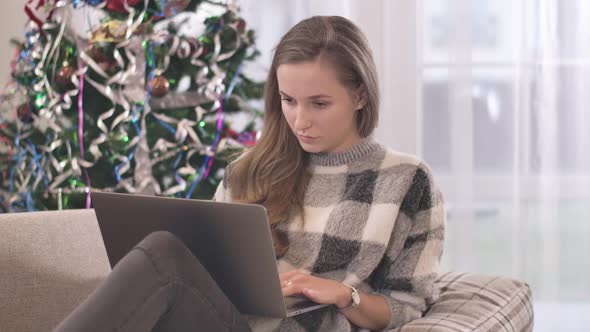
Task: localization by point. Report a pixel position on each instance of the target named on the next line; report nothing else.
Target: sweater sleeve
(405, 276)
(222, 193)
(219, 195)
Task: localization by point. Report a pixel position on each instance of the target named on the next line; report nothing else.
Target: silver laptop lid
(232, 241)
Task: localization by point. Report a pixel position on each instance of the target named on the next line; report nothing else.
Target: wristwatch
(356, 297)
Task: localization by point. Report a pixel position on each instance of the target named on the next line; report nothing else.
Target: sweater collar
(365, 146)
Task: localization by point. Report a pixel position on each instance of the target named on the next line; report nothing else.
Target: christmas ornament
(112, 31)
(248, 138)
(117, 5)
(241, 25)
(184, 49)
(24, 112)
(205, 51)
(188, 47)
(105, 62)
(63, 80)
(159, 86)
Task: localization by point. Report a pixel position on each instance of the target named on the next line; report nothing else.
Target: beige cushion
(49, 262)
(470, 302)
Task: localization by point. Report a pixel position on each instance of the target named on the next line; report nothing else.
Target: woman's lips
(307, 139)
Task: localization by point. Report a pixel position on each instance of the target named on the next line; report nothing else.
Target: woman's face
(319, 109)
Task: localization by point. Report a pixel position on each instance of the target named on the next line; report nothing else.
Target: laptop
(232, 241)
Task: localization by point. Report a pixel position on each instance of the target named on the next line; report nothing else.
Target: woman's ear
(361, 98)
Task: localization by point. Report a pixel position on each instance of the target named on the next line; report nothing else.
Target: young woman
(355, 225)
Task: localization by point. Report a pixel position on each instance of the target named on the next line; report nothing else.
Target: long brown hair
(274, 172)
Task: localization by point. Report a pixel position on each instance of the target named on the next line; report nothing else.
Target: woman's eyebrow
(320, 96)
(284, 94)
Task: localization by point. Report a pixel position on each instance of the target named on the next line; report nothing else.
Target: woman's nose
(302, 119)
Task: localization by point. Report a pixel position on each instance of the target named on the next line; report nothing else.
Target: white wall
(13, 20)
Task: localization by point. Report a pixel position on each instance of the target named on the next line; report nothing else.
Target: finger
(311, 294)
(286, 283)
(288, 275)
(294, 281)
(291, 290)
(295, 285)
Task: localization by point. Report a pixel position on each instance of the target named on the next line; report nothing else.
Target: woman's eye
(320, 104)
(287, 100)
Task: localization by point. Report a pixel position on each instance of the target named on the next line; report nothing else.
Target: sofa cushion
(49, 262)
(470, 302)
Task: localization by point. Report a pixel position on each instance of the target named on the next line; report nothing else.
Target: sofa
(51, 260)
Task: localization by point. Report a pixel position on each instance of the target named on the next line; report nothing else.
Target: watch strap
(355, 297)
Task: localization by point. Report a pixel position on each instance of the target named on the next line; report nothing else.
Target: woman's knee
(167, 252)
(160, 240)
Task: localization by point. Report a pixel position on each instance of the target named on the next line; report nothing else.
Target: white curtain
(504, 121)
(494, 95)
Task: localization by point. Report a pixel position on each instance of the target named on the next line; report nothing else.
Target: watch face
(356, 299)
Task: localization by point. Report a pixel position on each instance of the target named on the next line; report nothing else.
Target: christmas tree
(136, 96)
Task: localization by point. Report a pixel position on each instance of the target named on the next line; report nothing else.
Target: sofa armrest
(49, 262)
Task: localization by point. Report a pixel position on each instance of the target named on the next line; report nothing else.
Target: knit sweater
(372, 219)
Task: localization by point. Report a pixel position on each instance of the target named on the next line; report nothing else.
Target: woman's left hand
(318, 290)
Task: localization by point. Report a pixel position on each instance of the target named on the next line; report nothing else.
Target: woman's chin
(311, 148)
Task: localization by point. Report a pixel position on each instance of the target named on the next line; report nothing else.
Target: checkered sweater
(373, 219)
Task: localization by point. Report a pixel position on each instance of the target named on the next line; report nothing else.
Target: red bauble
(63, 80)
(159, 86)
(241, 25)
(117, 5)
(205, 51)
(24, 112)
(102, 60)
(194, 43)
(231, 133)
